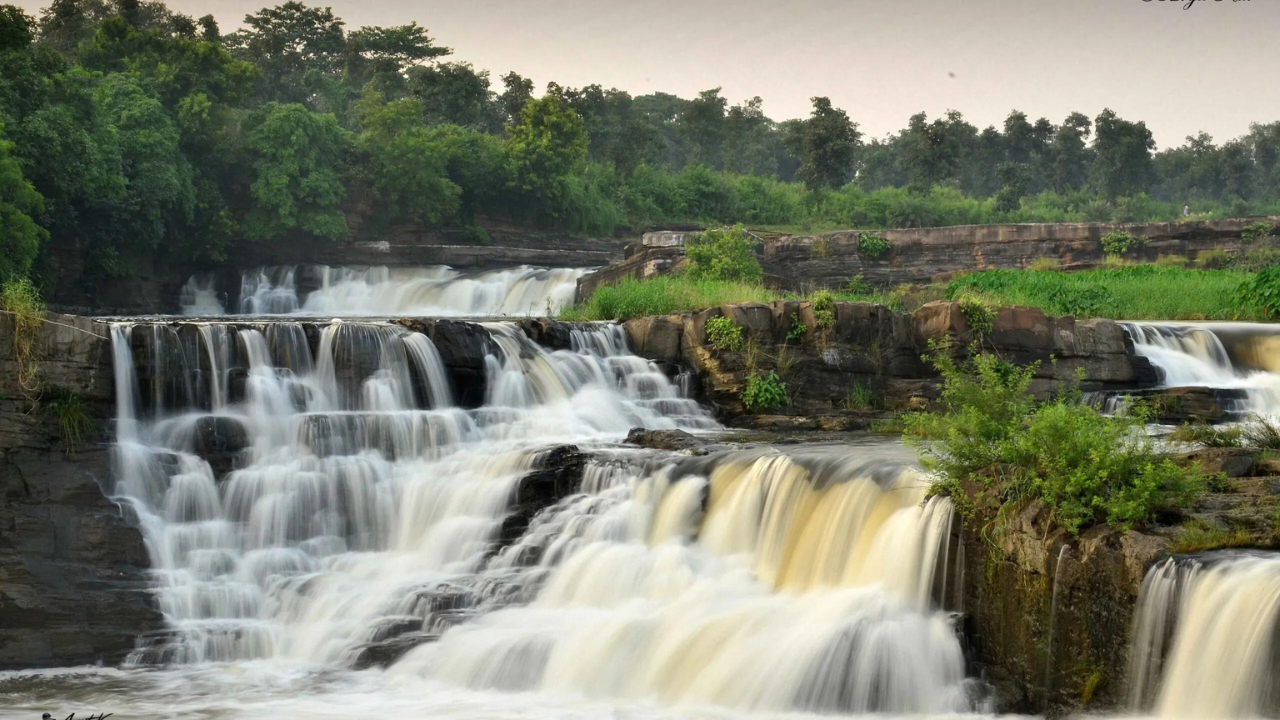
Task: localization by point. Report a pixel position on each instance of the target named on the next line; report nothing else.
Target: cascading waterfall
(760, 581)
(357, 485)
(360, 512)
(1194, 354)
(435, 291)
(1203, 640)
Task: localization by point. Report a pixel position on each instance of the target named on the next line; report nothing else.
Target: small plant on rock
(724, 334)
(1120, 242)
(873, 246)
(977, 313)
(1256, 231)
(798, 329)
(73, 420)
(858, 397)
(824, 309)
(764, 393)
(20, 301)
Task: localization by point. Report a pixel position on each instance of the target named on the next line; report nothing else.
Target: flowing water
(435, 291)
(360, 519)
(1243, 356)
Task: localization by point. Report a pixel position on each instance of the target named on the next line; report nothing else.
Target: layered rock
(73, 585)
(870, 356)
(922, 255)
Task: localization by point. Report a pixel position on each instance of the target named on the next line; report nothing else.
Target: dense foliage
(764, 393)
(724, 334)
(992, 445)
(726, 254)
(128, 130)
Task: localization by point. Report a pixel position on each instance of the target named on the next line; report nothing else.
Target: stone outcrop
(73, 586)
(922, 255)
(869, 356)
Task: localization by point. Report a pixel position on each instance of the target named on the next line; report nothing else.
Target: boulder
(655, 338)
(663, 439)
(1233, 462)
(220, 440)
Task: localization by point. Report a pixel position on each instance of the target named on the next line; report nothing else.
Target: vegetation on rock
(993, 446)
(764, 393)
(724, 334)
(725, 254)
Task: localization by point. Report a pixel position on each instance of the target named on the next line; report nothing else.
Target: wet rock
(663, 439)
(387, 652)
(220, 440)
(559, 475)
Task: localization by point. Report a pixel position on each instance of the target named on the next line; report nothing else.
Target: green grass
(663, 296)
(1143, 292)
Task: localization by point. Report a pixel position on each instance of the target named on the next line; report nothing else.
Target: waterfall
(1245, 356)
(434, 291)
(1203, 637)
(316, 493)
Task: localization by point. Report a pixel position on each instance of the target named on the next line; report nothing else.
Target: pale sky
(1211, 67)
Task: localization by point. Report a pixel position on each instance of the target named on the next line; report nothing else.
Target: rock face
(869, 357)
(921, 255)
(73, 586)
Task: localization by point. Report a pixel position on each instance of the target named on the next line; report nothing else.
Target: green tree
(517, 91)
(1069, 155)
(701, 128)
(1122, 163)
(406, 167)
(543, 148)
(297, 161)
(299, 49)
(830, 147)
(455, 94)
(20, 236)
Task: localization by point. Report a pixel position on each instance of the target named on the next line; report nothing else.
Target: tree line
(127, 129)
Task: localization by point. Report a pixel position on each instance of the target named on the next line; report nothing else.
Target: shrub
(977, 313)
(20, 300)
(1120, 242)
(873, 246)
(824, 309)
(1261, 293)
(476, 235)
(1256, 259)
(73, 420)
(1208, 435)
(1256, 231)
(1085, 467)
(1215, 259)
(858, 286)
(798, 329)
(764, 393)
(724, 334)
(724, 254)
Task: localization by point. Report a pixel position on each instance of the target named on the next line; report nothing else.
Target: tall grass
(1143, 292)
(663, 296)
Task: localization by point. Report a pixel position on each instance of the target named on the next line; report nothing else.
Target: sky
(1212, 67)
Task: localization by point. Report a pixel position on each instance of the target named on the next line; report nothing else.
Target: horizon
(919, 55)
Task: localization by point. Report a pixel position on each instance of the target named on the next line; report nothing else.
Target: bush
(1261, 293)
(1256, 231)
(764, 393)
(476, 235)
(1044, 264)
(873, 246)
(1120, 242)
(824, 309)
(724, 254)
(724, 334)
(1085, 467)
(1215, 259)
(798, 329)
(1256, 259)
(977, 313)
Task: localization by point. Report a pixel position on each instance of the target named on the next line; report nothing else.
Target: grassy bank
(1144, 292)
(663, 296)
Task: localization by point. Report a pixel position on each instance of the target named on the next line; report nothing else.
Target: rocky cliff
(921, 255)
(73, 586)
(868, 356)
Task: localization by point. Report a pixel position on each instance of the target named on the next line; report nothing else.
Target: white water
(435, 291)
(1203, 637)
(367, 510)
(1193, 354)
